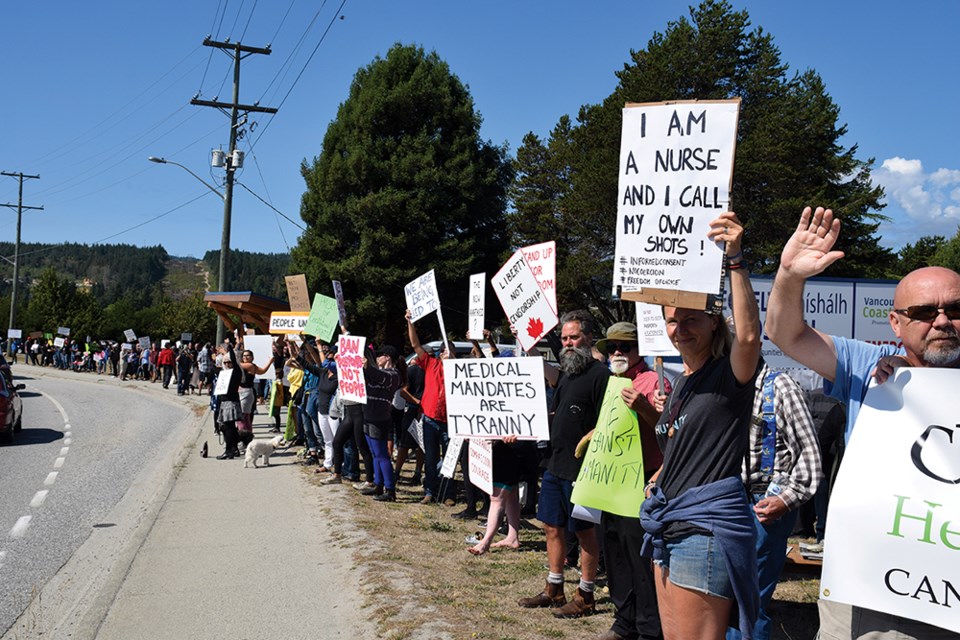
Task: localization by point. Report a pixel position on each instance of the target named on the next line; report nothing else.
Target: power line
(291, 221)
(322, 38)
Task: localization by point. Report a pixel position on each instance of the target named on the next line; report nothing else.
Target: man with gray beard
(580, 384)
(925, 318)
(629, 576)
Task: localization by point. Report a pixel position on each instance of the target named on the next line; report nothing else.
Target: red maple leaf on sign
(535, 328)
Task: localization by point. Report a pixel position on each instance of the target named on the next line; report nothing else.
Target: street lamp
(225, 238)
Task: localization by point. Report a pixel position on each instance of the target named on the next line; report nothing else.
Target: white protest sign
(496, 397)
(144, 342)
(477, 303)
(262, 347)
(451, 457)
(421, 296)
(130, 335)
(353, 385)
(675, 171)
(542, 260)
(894, 521)
(480, 460)
(652, 331)
(223, 382)
(64, 331)
(58, 341)
(416, 430)
(126, 345)
(872, 305)
(341, 304)
(288, 321)
(14, 333)
(523, 301)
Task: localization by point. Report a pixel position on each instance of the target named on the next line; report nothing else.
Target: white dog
(261, 447)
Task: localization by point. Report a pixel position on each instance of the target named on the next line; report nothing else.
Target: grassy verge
(421, 583)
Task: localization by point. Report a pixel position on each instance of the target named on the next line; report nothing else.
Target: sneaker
(360, 486)
(334, 479)
(466, 514)
(388, 495)
(581, 605)
(375, 490)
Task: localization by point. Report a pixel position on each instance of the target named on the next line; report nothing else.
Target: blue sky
(91, 89)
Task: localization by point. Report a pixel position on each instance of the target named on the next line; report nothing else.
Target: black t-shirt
(576, 405)
(415, 380)
(710, 414)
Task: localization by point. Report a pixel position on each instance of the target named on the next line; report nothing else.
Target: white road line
(67, 441)
(51, 478)
(21, 527)
(59, 463)
(64, 451)
(39, 497)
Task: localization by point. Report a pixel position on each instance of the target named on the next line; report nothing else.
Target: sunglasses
(929, 312)
(622, 347)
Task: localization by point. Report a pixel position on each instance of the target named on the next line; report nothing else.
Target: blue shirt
(855, 361)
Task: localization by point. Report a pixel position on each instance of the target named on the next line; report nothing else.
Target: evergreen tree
(403, 184)
(921, 253)
(788, 153)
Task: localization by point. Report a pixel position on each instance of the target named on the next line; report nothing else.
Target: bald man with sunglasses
(925, 318)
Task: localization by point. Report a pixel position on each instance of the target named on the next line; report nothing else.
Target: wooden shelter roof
(244, 307)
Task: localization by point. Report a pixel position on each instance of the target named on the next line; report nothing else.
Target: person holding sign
(382, 380)
(925, 318)
(229, 399)
(629, 576)
(698, 521)
(581, 384)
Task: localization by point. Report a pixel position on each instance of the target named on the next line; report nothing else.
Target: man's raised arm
(807, 253)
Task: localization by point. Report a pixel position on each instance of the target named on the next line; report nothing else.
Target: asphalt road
(86, 441)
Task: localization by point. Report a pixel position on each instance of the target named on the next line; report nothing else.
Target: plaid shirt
(796, 467)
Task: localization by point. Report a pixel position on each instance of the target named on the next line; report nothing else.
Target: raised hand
(809, 251)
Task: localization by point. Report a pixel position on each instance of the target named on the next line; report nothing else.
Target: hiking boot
(551, 596)
(581, 605)
(427, 499)
(389, 495)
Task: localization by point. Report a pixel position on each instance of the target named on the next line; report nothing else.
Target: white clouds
(931, 201)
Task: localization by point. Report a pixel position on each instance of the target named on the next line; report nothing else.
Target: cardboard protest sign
(523, 301)
(14, 333)
(130, 335)
(144, 342)
(675, 173)
(611, 476)
(497, 397)
(341, 304)
(893, 525)
(652, 331)
(223, 382)
(451, 457)
(421, 296)
(262, 347)
(480, 460)
(542, 260)
(477, 304)
(297, 293)
(353, 385)
(64, 331)
(416, 430)
(35, 334)
(322, 321)
(282, 322)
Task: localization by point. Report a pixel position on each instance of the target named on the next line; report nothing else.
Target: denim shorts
(554, 506)
(696, 563)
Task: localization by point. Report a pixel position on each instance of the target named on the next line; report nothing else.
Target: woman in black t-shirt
(703, 433)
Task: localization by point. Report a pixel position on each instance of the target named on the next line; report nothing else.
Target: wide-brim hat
(623, 331)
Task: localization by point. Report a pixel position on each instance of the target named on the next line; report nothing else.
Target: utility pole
(16, 247)
(235, 108)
